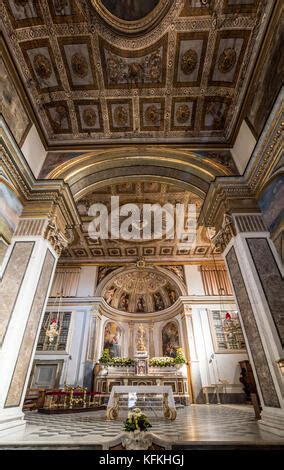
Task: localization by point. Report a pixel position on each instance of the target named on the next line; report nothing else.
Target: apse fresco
(130, 10)
(170, 339)
(112, 339)
(10, 211)
(271, 203)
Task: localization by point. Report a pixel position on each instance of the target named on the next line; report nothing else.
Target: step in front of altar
(154, 403)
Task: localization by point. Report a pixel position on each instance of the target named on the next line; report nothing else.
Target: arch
(172, 277)
(135, 290)
(185, 167)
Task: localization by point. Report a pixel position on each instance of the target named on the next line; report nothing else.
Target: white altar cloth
(142, 389)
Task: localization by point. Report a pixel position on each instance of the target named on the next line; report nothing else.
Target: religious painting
(24, 13)
(130, 10)
(54, 159)
(269, 82)
(10, 211)
(112, 339)
(158, 302)
(11, 106)
(271, 203)
(170, 339)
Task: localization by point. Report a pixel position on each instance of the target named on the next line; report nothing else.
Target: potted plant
(136, 436)
(105, 357)
(179, 359)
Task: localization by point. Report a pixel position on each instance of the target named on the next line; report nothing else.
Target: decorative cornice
(229, 195)
(225, 234)
(48, 205)
(237, 223)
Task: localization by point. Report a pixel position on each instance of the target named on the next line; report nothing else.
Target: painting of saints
(112, 339)
(170, 339)
(123, 302)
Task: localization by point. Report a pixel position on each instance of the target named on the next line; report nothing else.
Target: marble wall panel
(255, 345)
(26, 349)
(11, 282)
(271, 280)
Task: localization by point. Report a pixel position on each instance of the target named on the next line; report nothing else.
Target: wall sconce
(281, 365)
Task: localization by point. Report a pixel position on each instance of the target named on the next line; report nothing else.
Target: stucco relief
(141, 291)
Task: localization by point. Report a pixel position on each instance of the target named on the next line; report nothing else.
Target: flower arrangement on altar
(166, 361)
(136, 421)
(115, 361)
(180, 359)
(162, 362)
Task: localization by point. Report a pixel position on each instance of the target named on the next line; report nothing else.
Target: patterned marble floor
(195, 423)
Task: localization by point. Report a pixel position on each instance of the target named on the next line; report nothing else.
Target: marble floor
(194, 424)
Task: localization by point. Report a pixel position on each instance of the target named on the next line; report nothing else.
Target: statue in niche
(110, 294)
(140, 305)
(158, 301)
(141, 338)
(172, 294)
(124, 301)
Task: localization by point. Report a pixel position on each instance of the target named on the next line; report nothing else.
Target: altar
(140, 372)
(169, 407)
(106, 377)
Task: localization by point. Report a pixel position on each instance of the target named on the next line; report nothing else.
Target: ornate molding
(239, 194)
(56, 238)
(237, 223)
(46, 228)
(137, 26)
(49, 209)
(225, 234)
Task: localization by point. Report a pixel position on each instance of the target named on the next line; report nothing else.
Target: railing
(72, 398)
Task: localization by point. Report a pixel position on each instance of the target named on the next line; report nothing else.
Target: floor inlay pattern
(196, 423)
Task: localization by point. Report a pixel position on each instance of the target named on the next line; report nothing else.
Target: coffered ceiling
(106, 72)
(87, 248)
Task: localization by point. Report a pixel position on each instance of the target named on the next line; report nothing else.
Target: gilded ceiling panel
(150, 192)
(180, 78)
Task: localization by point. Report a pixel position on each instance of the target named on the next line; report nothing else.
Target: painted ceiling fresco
(181, 81)
(130, 10)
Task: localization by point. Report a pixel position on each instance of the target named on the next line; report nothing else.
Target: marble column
(27, 272)
(98, 349)
(131, 339)
(151, 340)
(190, 353)
(256, 274)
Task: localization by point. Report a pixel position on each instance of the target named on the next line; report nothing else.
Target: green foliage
(121, 361)
(168, 361)
(115, 361)
(136, 421)
(105, 358)
(162, 362)
(180, 359)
